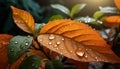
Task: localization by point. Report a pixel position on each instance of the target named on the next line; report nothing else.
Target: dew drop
(50, 43)
(63, 39)
(26, 43)
(40, 40)
(86, 56)
(61, 53)
(28, 36)
(71, 51)
(16, 42)
(55, 46)
(58, 43)
(80, 52)
(96, 58)
(51, 37)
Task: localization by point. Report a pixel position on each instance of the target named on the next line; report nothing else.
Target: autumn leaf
(77, 41)
(112, 21)
(75, 30)
(16, 64)
(117, 3)
(23, 20)
(4, 40)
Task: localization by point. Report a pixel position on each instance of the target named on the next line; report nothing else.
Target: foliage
(60, 40)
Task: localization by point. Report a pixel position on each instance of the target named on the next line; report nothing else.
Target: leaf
(77, 51)
(112, 21)
(108, 10)
(38, 27)
(61, 8)
(4, 41)
(117, 3)
(88, 19)
(23, 20)
(77, 8)
(54, 17)
(17, 46)
(32, 62)
(53, 65)
(17, 63)
(77, 41)
(97, 15)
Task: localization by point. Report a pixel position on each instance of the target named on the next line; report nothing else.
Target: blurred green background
(42, 11)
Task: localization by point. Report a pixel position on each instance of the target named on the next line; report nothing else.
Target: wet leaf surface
(75, 50)
(17, 46)
(23, 20)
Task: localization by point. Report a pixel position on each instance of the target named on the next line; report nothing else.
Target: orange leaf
(117, 3)
(112, 21)
(4, 40)
(23, 20)
(87, 39)
(75, 50)
(16, 64)
(75, 30)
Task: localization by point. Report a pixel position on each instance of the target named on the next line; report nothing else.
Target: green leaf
(98, 14)
(58, 16)
(17, 46)
(31, 62)
(38, 28)
(55, 64)
(88, 19)
(49, 65)
(109, 10)
(61, 8)
(76, 9)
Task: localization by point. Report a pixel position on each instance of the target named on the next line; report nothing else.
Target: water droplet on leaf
(51, 37)
(80, 52)
(63, 39)
(71, 51)
(55, 46)
(58, 43)
(26, 43)
(86, 56)
(16, 42)
(50, 43)
(28, 36)
(40, 40)
(96, 58)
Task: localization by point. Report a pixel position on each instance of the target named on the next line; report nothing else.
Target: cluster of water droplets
(83, 53)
